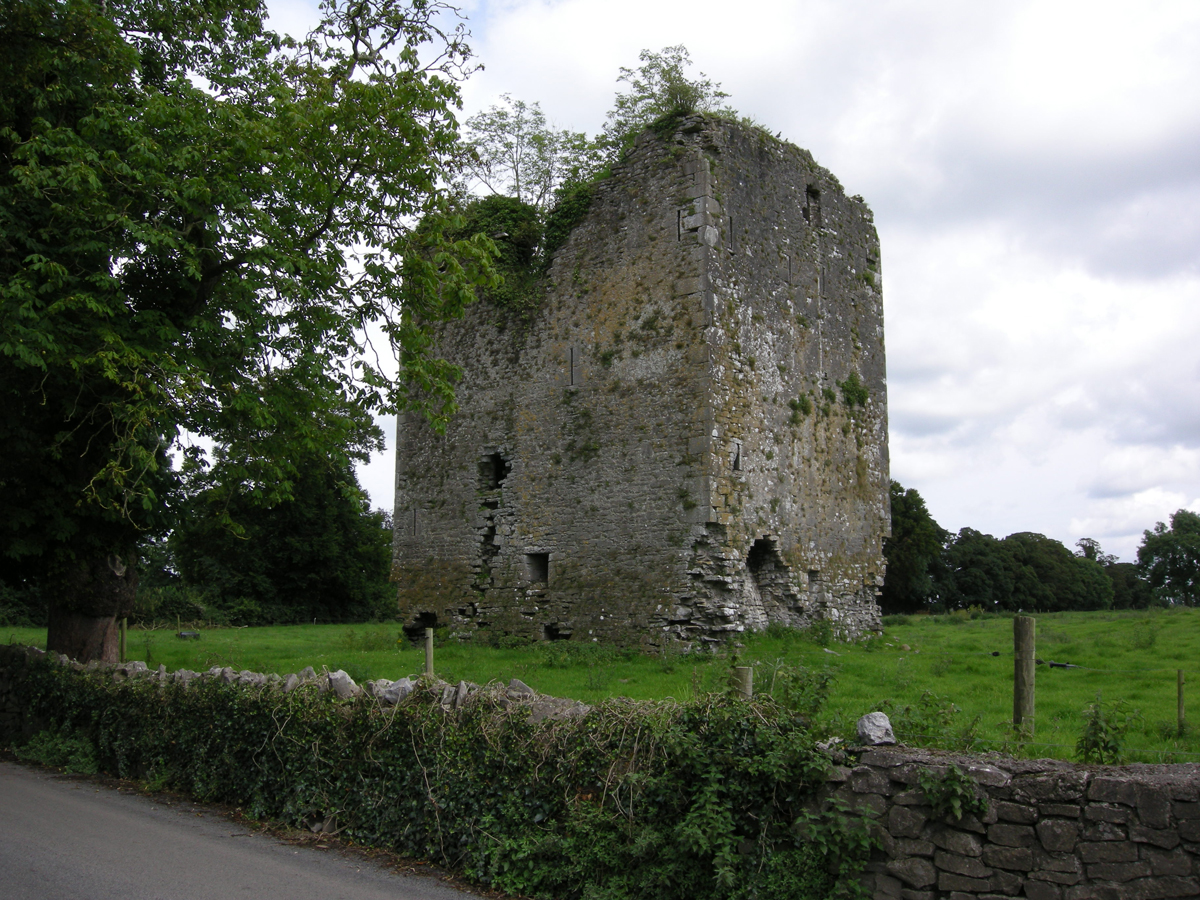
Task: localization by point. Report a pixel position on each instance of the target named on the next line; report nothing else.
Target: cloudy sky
(1034, 168)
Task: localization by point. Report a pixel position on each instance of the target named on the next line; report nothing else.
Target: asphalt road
(64, 838)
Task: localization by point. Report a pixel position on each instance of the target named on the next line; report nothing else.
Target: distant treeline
(931, 569)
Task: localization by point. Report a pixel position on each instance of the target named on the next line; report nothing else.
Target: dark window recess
(552, 632)
(762, 556)
(490, 549)
(814, 577)
(730, 242)
(492, 471)
(812, 207)
(415, 631)
(537, 567)
(737, 456)
(574, 359)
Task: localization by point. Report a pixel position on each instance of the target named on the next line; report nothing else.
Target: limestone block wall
(1053, 830)
(661, 450)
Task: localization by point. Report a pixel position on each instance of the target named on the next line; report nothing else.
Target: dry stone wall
(664, 450)
(1052, 831)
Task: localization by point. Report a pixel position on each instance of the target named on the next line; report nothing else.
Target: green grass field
(1123, 656)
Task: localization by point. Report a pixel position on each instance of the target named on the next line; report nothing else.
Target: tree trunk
(85, 600)
(83, 637)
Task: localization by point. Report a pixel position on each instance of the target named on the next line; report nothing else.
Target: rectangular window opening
(737, 456)
(493, 469)
(812, 207)
(537, 568)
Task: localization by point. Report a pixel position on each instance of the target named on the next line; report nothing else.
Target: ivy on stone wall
(708, 799)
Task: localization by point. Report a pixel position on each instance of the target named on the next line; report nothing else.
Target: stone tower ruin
(687, 437)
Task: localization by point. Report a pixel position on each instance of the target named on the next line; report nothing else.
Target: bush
(707, 799)
(1104, 728)
(70, 751)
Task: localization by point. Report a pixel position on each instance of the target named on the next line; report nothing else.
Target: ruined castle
(687, 437)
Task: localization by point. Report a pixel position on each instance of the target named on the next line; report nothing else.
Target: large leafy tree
(1169, 558)
(516, 152)
(323, 554)
(912, 552)
(1130, 589)
(201, 224)
(1024, 571)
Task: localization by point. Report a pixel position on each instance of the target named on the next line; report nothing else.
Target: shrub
(1104, 728)
(953, 794)
(706, 799)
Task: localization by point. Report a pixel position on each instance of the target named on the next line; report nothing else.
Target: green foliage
(1104, 729)
(842, 838)
(953, 794)
(515, 228)
(202, 260)
(1169, 558)
(1024, 571)
(515, 152)
(321, 555)
(802, 690)
(708, 799)
(22, 604)
(820, 632)
(854, 392)
(659, 94)
(800, 406)
(70, 751)
(1130, 589)
(170, 603)
(912, 552)
(932, 721)
(571, 204)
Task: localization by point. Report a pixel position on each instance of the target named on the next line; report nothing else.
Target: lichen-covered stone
(686, 436)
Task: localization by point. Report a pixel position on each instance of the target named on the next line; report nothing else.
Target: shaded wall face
(614, 461)
(590, 406)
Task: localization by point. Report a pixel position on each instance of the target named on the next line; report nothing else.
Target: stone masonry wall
(1053, 830)
(634, 459)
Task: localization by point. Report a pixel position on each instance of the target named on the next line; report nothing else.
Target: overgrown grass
(946, 689)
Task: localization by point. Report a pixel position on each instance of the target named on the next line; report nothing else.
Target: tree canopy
(1169, 558)
(203, 224)
(929, 568)
(515, 152)
(913, 552)
(658, 89)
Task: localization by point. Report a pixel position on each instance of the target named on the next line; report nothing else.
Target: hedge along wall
(712, 799)
(716, 798)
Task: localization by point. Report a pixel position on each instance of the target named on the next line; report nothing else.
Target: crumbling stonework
(687, 437)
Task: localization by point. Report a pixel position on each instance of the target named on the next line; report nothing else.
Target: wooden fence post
(1023, 673)
(743, 681)
(1179, 698)
(429, 652)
